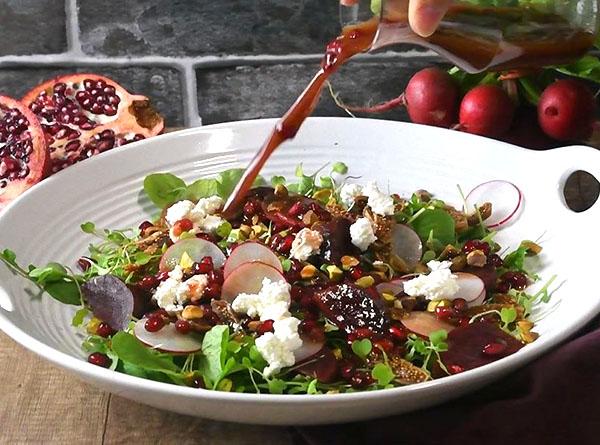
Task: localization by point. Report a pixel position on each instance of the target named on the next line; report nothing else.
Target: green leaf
(339, 167)
(10, 257)
(508, 315)
(326, 182)
(227, 180)
(66, 292)
(286, 264)
(383, 374)
(224, 229)
(587, 67)
(277, 180)
(312, 387)
(435, 223)
(214, 350)
(277, 386)
(79, 317)
(202, 188)
(164, 189)
(362, 348)
(516, 259)
(129, 349)
(438, 337)
(530, 90)
(88, 227)
(299, 171)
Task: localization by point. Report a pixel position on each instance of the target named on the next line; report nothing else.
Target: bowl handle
(570, 159)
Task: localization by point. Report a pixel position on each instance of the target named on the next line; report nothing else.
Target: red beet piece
(322, 366)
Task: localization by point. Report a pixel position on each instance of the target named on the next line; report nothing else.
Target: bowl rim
(77, 365)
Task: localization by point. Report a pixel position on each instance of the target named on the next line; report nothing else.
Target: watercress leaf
(257, 359)
(299, 171)
(202, 188)
(110, 300)
(10, 257)
(277, 180)
(286, 264)
(52, 272)
(164, 189)
(276, 386)
(224, 229)
(79, 317)
(312, 387)
(383, 374)
(587, 67)
(227, 180)
(516, 258)
(436, 223)
(66, 292)
(214, 349)
(326, 182)
(305, 185)
(116, 237)
(88, 227)
(437, 337)
(339, 167)
(130, 350)
(362, 348)
(508, 315)
(95, 343)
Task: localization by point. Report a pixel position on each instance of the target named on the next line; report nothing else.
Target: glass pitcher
(497, 35)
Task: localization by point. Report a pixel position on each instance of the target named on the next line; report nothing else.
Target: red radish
(308, 349)
(196, 248)
(249, 252)
(167, 339)
(470, 288)
(424, 323)
(506, 199)
(431, 98)
(486, 110)
(406, 244)
(247, 279)
(566, 110)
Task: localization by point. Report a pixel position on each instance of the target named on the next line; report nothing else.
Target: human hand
(424, 16)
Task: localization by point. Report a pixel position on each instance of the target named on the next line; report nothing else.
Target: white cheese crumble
(278, 347)
(271, 303)
(380, 203)
(362, 233)
(439, 284)
(172, 293)
(201, 214)
(349, 192)
(306, 243)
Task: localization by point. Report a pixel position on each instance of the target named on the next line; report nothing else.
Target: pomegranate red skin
(39, 160)
(566, 110)
(486, 110)
(132, 118)
(431, 98)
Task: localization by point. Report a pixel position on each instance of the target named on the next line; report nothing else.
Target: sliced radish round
(308, 349)
(167, 339)
(196, 248)
(505, 197)
(250, 252)
(470, 287)
(396, 285)
(247, 279)
(406, 244)
(478, 301)
(424, 323)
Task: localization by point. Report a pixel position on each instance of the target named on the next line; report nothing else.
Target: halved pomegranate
(86, 114)
(24, 155)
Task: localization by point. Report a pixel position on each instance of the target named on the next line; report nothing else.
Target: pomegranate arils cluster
(15, 146)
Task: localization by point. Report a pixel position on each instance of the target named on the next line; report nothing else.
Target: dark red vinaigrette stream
(353, 40)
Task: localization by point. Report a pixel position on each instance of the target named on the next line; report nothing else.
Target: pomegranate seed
(265, 326)
(204, 266)
(286, 244)
(250, 208)
(216, 276)
(312, 329)
(296, 293)
(84, 263)
(444, 312)
(495, 260)
(399, 333)
(99, 359)
(464, 321)
(162, 276)
(459, 304)
(148, 282)
(145, 225)
(361, 379)
(296, 209)
(455, 369)
(494, 349)
(183, 327)
(356, 272)
(346, 370)
(206, 236)
(476, 245)
(386, 344)
(183, 225)
(154, 324)
(197, 382)
(104, 330)
(517, 280)
(213, 290)
(502, 287)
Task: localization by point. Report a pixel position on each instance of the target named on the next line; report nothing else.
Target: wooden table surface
(42, 404)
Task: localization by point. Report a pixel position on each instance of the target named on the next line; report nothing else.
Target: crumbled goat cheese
(306, 243)
(210, 223)
(271, 303)
(178, 211)
(362, 234)
(207, 206)
(201, 214)
(379, 202)
(172, 293)
(439, 284)
(278, 347)
(349, 192)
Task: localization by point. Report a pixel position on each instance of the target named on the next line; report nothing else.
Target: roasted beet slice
(351, 308)
(337, 241)
(487, 274)
(321, 366)
(477, 344)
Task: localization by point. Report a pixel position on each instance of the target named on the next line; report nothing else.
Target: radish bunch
(565, 110)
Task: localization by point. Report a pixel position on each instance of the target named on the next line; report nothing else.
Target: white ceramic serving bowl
(43, 225)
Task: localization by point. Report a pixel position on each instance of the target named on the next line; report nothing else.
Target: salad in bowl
(321, 284)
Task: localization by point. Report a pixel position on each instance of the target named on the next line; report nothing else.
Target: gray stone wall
(200, 61)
